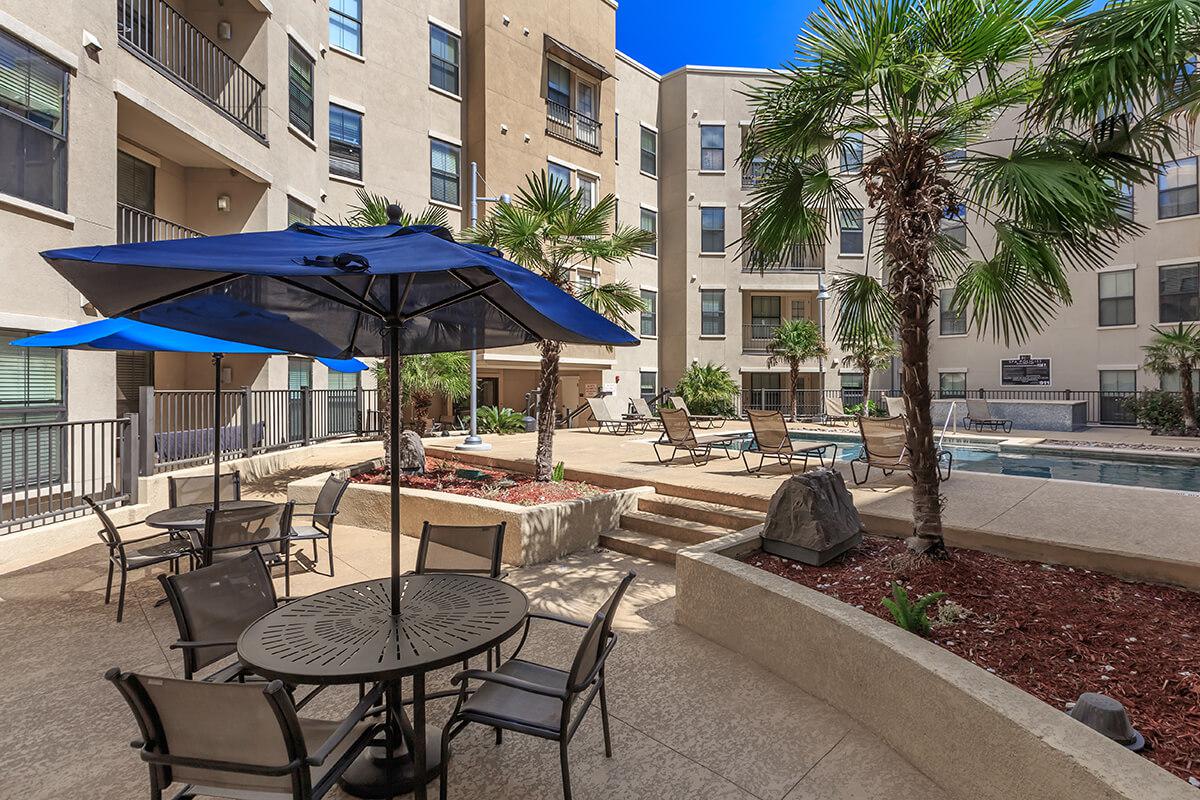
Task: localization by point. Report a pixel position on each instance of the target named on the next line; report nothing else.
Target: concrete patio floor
(691, 720)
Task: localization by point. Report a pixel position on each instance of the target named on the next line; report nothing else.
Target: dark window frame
(949, 322)
(647, 396)
(355, 21)
(28, 128)
(644, 154)
(716, 152)
(442, 69)
(1191, 205)
(345, 150)
(650, 249)
(712, 323)
(1189, 305)
(1125, 305)
(851, 235)
(445, 177)
(711, 237)
(301, 108)
(649, 315)
(944, 392)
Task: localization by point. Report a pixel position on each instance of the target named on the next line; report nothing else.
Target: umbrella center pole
(216, 360)
(393, 351)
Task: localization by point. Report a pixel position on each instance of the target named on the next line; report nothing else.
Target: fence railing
(796, 258)
(47, 468)
(162, 37)
(571, 126)
(135, 225)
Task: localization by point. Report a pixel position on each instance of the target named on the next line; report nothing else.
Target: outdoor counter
(1027, 415)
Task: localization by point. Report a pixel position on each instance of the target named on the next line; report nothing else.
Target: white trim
(1183, 217)
(713, 336)
(1118, 367)
(954, 370)
(712, 204)
(589, 173)
(346, 104)
(1116, 327)
(773, 371)
(305, 46)
(650, 128)
(637, 65)
(648, 175)
(953, 335)
(444, 204)
(302, 136)
(745, 123)
(713, 286)
(1175, 262)
(348, 53)
(711, 253)
(441, 137)
(713, 122)
(710, 172)
(1117, 268)
(36, 210)
(296, 194)
(446, 26)
(562, 162)
(32, 322)
(344, 179)
(444, 93)
(39, 41)
(701, 69)
(135, 150)
(648, 288)
(648, 208)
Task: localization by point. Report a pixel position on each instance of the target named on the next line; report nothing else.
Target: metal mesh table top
(192, 517)
(348, 634)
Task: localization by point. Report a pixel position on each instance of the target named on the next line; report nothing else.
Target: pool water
(1173, 476)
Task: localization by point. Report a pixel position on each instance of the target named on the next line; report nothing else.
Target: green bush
(491, 419)
(873, 409)
(909, 615)
(1159, 411)
(559, 473)
(708, 389)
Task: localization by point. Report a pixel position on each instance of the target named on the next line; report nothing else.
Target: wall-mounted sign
(1025, 370)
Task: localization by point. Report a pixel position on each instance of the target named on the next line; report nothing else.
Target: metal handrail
(135, 225)
(572, 126)
(796, 258)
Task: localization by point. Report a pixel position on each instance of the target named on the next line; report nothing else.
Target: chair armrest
(247, 545)
(141, 539)
(555, 618)
(357, 715)
(506, 680)
(185, 645)
(312, 514)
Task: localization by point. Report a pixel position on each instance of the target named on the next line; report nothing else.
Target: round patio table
(191, 518)
(348, 635)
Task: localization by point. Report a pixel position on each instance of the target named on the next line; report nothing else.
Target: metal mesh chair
(835, 409)
(606, 419)
(538, 700)
(198, 489)
(229, 533)
(465, 549)
(321, 517)
(885, 447)
(980, 416)
(239, 740)
(678, 435)
(123, 557)
(702, 420)
(644, 415)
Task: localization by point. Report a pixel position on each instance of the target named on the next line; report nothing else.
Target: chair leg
(604, 718)
(121, 595)
(442, 783)
(566, 769)
(330, 541)
(108, 586)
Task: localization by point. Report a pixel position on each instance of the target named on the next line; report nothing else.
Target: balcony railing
(571, 126)
(135, 225)
(757, 335)
(797, 258)
(162, 37)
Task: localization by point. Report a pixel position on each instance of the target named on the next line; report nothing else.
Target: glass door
(299, 379)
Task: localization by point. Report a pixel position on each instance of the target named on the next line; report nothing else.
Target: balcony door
(299, 379)
(587, 111)
(135, 200)
(765, 316)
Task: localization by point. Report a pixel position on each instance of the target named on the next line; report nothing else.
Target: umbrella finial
(394, 212)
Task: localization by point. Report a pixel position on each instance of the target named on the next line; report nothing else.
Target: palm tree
(423, 377)
(1177, 351)
(372, 209)
(708, 389)
(380, 370)
(868, 353)
(553, 232)
(922, 84)
(794, 342)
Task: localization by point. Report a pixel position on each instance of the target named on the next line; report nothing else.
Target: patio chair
(895, 406)
(771, 439)
(642, 409)
(980, 416)
(835, 410)
(239, 740)
(123, 557)
(324, 510)
(531, 698)
(885, 447)
(198, 489)
(679, 435)
(606, 420)
(229, 533)
(701, 420)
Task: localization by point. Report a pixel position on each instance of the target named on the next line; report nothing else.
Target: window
(648, 387)
(588, 189)
(617, 136)
(649, 147)
(850, 224)
(852, 388)
(299, 212)
(712, 230)
(559, 175)
(952, 384)
(444, 171)
(649, 222)
(1125, 196)
(712, 148)
(345, 25)
(135, 183)
(800, 309)
(954, 224)
(345, 142)
(443, 59)
(951, 322)
(649, 313)
(33, 125)
(765, 316)
(1171, 382)
(558, 85)
(1177, 189)
(766, 391)
(1116, 298)
(300, 89)
(584, 281)
(32, 383)
(712, 312)
(343, 380)
(1179, 293)
(850, 157)
(1116, 386)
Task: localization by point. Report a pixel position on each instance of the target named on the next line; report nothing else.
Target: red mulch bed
(499, 485)
(1054, 631)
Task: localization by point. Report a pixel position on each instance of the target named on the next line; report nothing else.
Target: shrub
(873, 409)
(909, 615)
(559, 473)
(1159, 411)
(492, 419)
(708, 389)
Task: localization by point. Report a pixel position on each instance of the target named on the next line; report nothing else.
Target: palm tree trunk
(795, 378)
(927, 500)
(547, 393)
(866, 400)
(385, 415)
(1189, 398)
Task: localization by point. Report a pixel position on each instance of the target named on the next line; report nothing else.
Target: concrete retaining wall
(974, 734)
(1027, 415)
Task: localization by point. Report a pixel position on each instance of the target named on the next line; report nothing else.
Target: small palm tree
(794, 342)
(424, 377)
(1176, 351)
(553, 232)
(922, 84)
(372, 209)
(708, 389)
(380, 370)
(868, 353)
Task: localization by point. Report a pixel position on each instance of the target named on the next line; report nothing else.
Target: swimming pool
(1175, 476)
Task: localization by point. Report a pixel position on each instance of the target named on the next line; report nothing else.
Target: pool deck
(1133, 532)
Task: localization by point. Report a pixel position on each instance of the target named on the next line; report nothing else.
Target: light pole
(473, 442)
(822, 296)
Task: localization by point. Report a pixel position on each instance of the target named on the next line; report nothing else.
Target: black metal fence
(135, 225)
(165, 39)
(572, 126)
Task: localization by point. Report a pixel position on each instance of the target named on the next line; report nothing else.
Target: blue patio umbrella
(341, 292)
(128, 334)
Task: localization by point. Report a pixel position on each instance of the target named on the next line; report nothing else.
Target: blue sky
(665, 34)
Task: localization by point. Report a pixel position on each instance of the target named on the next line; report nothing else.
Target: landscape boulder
(812, 519)
(412, 453)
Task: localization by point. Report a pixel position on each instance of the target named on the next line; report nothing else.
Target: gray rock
(412, 453)
(812, 519)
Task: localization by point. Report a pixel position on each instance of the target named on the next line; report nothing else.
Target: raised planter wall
(534, 534)
(975, 735)
(1026, 415)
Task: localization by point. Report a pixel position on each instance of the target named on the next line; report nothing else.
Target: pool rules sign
(1025, 370)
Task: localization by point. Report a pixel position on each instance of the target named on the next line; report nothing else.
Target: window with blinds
(134, 370)
(300, 88)
(33, 125)
(345, 142)
(135, 183)
(444, 172)
(32, 391)
(1179, 293)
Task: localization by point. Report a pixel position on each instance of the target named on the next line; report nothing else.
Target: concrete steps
(663, 525)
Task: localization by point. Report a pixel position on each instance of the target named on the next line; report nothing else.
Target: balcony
(135, 225)
(757, 335)
(797, 258)
(159, 35)
(571, 126)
